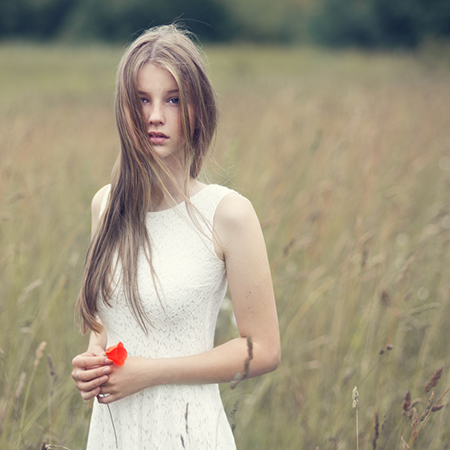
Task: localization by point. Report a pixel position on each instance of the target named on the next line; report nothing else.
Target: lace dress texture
(193, 285)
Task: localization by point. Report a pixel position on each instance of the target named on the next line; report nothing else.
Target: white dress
(193, 280)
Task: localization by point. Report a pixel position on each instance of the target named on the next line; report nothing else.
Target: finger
(87, 362)
(88, 375)
(88, 395)
(75, 374)
(93, 384)
(106, 399)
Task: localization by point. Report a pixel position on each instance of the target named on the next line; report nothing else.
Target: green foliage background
(363, 23)
(380, 23)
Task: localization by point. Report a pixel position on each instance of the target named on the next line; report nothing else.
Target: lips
(157, 138)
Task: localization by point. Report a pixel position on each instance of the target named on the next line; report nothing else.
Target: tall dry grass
(346, 157)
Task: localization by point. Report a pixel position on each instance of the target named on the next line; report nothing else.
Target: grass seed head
(355, 395)
(407, 402)
(427, 408)
(51, 367)
(39, 352)
(241, 376)
(437, 408)
(377, 432)
(385, 298)
(20, 384)
(434, 379)
(412, 414)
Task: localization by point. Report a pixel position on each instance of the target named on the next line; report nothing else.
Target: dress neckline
(172, 208)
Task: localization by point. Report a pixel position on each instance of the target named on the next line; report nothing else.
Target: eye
(144, 100)
(174, 100)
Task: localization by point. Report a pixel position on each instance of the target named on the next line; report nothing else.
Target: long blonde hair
(138, 171)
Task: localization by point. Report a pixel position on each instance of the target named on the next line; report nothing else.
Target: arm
(251, 290)
(90, 369)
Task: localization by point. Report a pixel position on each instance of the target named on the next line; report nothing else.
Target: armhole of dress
(221, 197)
(105, 200)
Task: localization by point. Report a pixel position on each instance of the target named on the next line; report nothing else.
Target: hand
(90, 371)
(123, 381)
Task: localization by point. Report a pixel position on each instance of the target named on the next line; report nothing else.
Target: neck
(176, 188)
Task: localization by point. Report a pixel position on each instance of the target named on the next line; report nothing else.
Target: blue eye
(174, 100)
(144, 100)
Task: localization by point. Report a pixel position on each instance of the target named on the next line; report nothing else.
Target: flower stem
(357, 431)
(114, 428)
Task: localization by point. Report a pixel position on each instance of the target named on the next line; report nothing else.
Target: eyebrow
(172, 91)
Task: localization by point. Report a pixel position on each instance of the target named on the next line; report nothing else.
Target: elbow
(275, 353)
(272, 359)
(265, 357)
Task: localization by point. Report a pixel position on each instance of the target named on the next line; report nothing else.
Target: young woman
(164, 245)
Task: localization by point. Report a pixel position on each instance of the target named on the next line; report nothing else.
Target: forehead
(151, 78)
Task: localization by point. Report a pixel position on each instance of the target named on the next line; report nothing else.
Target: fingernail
(106, 369)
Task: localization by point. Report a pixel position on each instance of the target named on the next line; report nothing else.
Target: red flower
(117, 354)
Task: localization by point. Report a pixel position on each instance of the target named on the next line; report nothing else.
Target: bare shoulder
(236, 223)
(97, 204)
(234, 210)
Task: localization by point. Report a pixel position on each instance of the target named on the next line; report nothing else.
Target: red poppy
(117, 354)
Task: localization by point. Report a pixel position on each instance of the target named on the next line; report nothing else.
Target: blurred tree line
(380, 23)
(365, 23)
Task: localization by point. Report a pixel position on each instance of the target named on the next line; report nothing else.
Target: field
(346, 158)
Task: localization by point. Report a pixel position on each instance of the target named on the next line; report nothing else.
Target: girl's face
(161, 109)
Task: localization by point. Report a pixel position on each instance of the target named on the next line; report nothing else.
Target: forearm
(220, 365)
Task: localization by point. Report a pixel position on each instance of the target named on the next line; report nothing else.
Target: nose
(156, 115)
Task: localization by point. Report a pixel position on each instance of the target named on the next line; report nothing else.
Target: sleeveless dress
(193, 285)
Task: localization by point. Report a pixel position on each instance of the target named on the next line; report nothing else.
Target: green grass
(346, 157)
